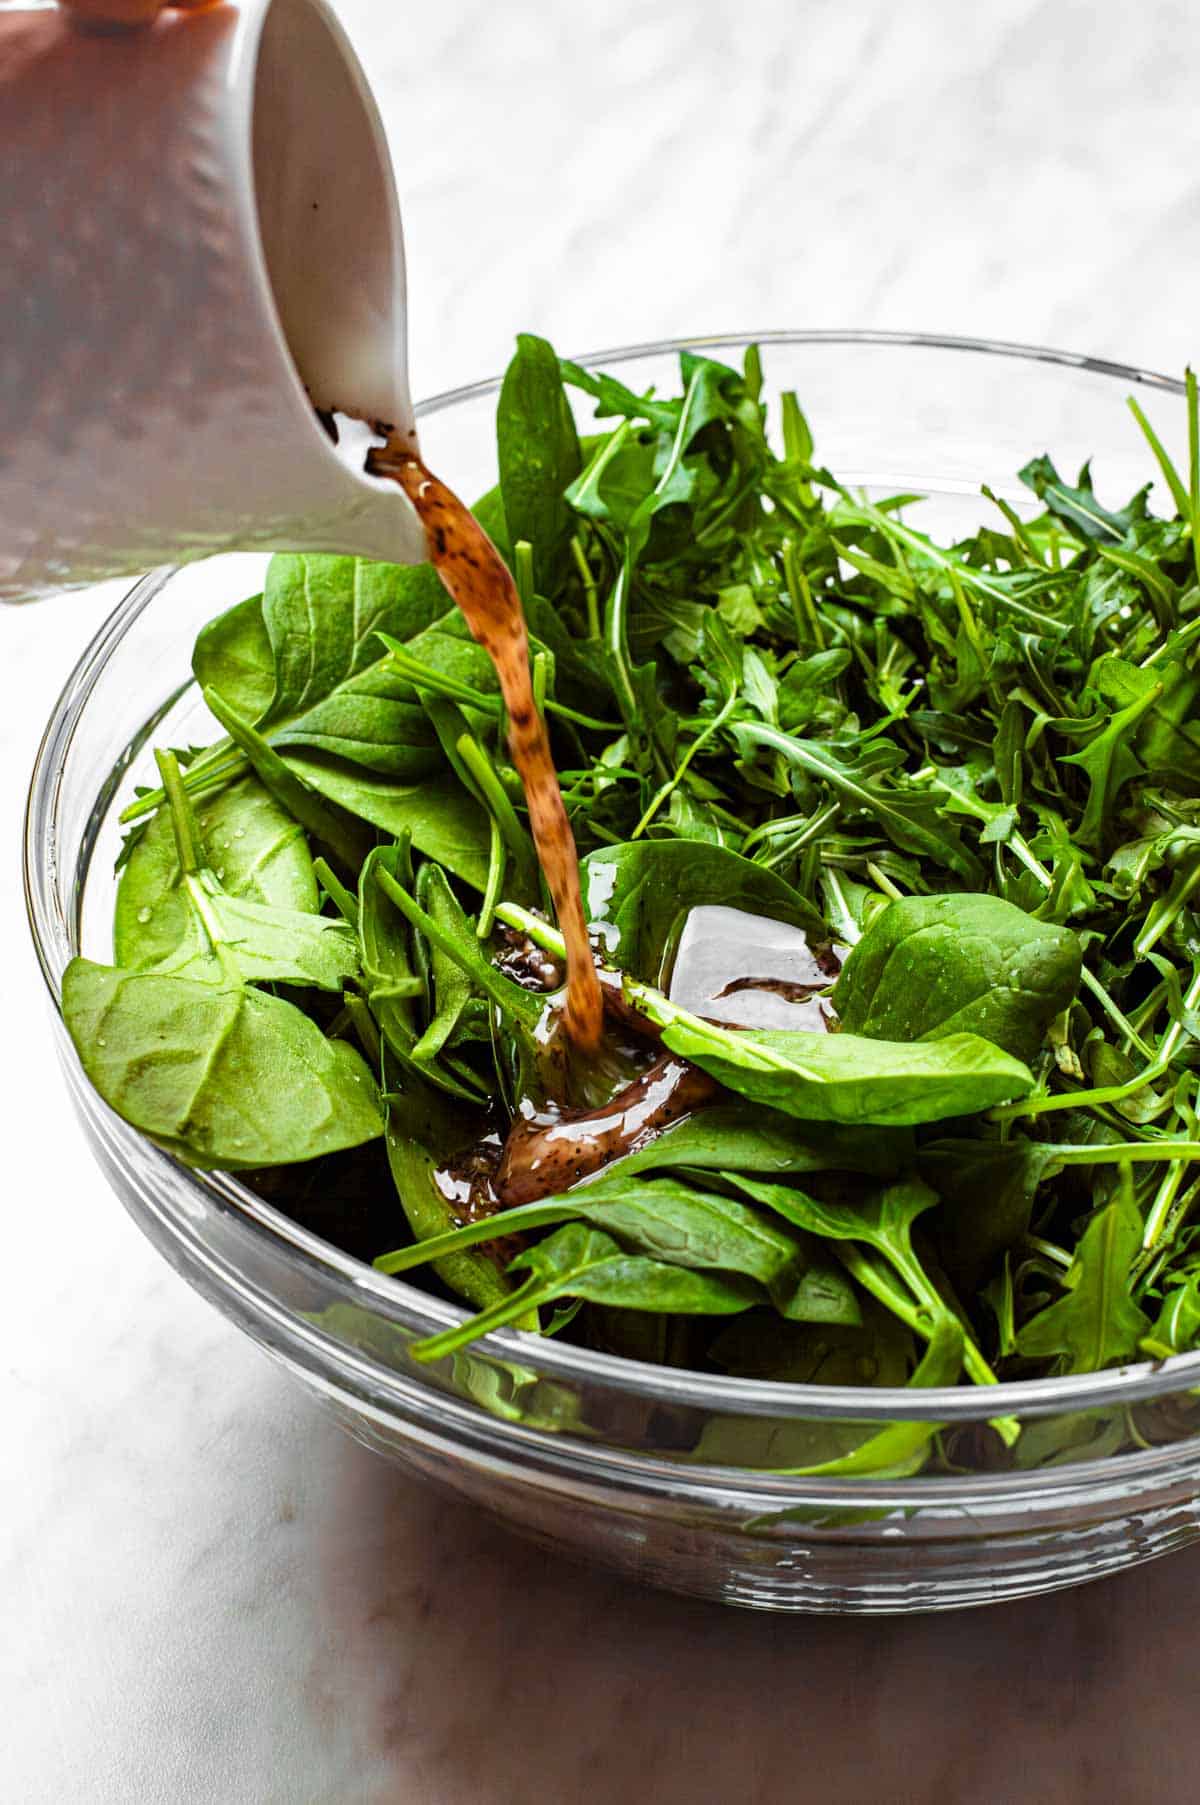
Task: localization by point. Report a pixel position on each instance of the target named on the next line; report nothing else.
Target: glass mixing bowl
(657, 1472)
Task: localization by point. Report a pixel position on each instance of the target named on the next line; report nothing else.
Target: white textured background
(207, 1596)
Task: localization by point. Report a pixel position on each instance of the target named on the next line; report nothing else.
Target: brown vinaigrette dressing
(477, 578)
(541, 1159)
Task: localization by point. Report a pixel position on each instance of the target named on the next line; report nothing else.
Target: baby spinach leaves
(824, 1077)
(394, 983)
(256, 848)
(971, 766)
(442, 819)
(539, 457)
(849, 1079)
(221, 1075)
(639, 895)
(681, 1225)
(584, 1263)
(186, 1050)
(731, 1136)
(929, 966)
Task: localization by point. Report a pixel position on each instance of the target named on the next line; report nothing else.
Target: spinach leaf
(258, 850)
(391, 984)
(443, 820)
(225, 1077)
(879, 1353)
(539, 456)
(929, 966)
(368, 721)
(731, 1136)
(582, 1262)
(323, 615)
(879, 1350)
(334, 828)
(987, 1191)
(822, 1077)
(233, 655)
(683, 1226)
(259, 943)
(303, 665)
(641, 893)
(459, 1013)
(850, 1079)
(229, 938)
(522, 1008)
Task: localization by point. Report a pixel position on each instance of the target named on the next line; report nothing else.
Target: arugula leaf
(1078, 507)
(882, 1219)
(1097, 1323)
(423, 1131)
(899, 1448)
(1177, 1327)
(909, 818)
(1108, 758)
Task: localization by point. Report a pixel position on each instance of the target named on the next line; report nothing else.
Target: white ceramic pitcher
(200, 244)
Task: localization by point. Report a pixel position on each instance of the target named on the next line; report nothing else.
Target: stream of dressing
(717, 962)
(477, 578)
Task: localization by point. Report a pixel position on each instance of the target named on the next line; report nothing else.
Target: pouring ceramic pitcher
(200, 245)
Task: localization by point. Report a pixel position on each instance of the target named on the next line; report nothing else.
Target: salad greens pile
(971, 768)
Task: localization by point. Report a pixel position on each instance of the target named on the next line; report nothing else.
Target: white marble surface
(208, 1596)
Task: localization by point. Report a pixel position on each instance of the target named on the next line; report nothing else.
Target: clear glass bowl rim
(420, 1314)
